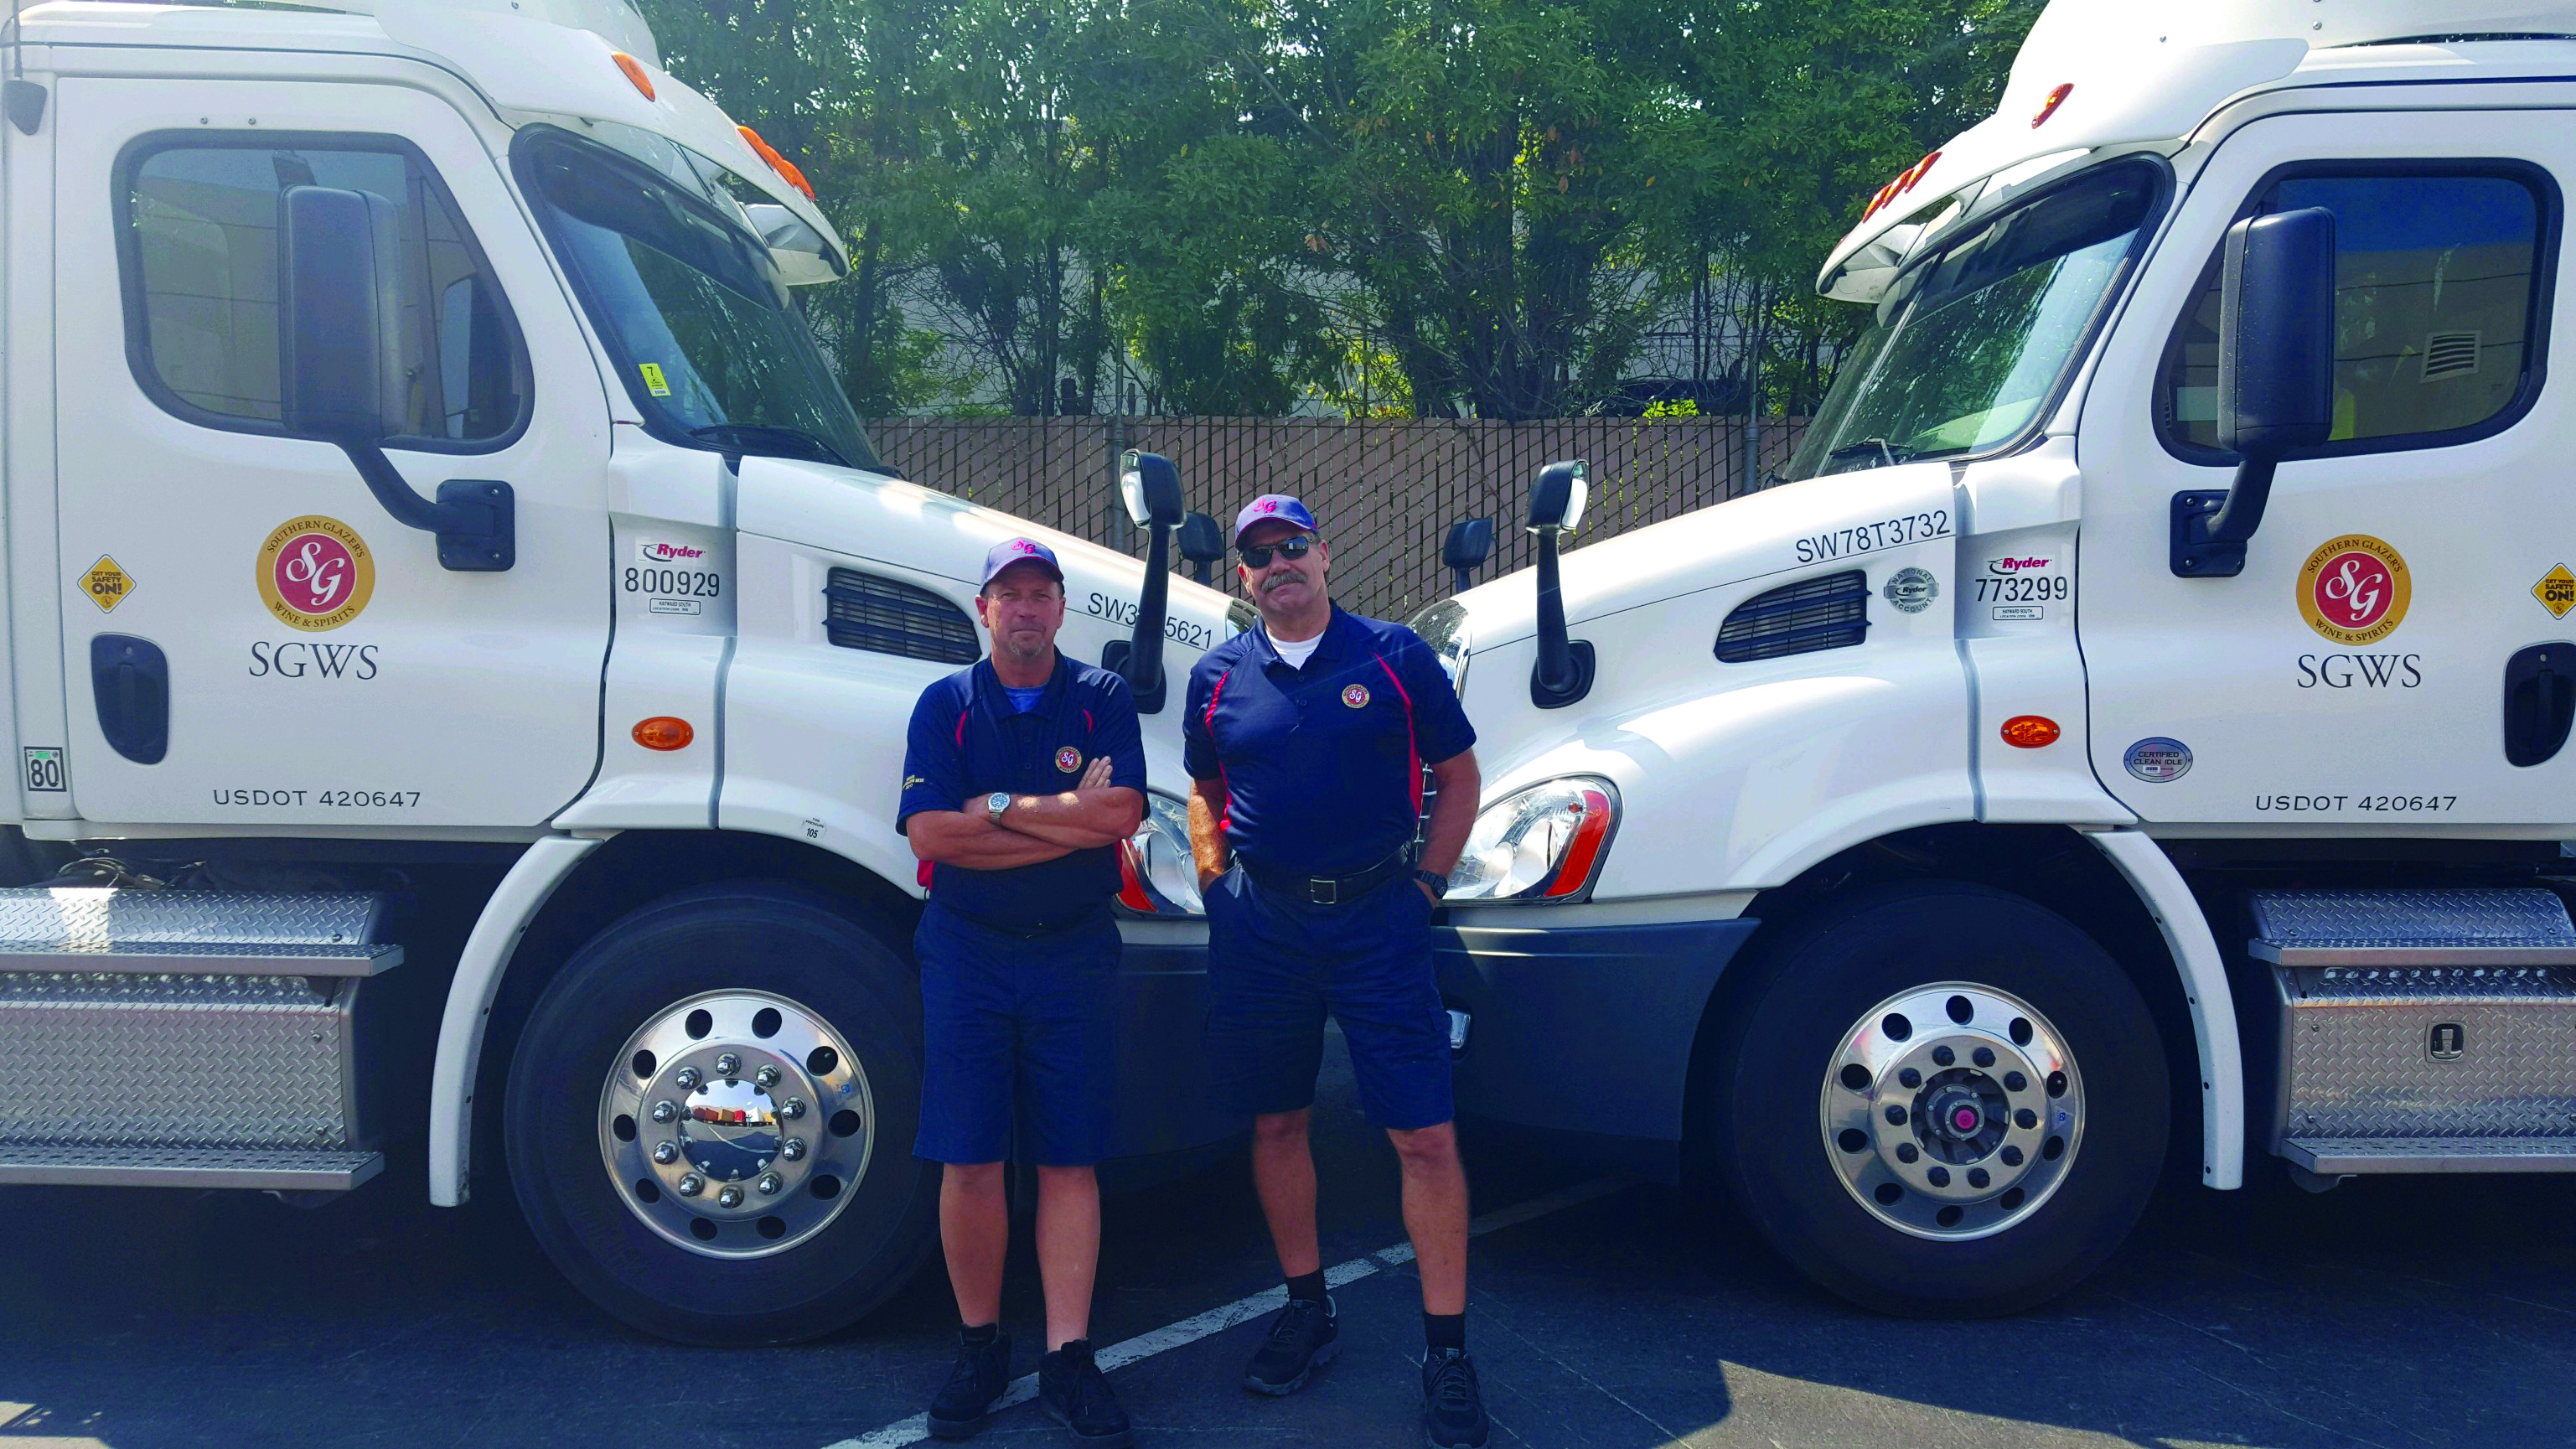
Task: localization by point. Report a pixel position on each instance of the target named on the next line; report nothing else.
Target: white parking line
(1218, 1320)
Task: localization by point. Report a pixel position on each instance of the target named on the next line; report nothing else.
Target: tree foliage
(1231, 206)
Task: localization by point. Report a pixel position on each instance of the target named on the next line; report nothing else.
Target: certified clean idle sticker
(1912, 590)
(315, 573)
(2355, 589)
(2157, 760)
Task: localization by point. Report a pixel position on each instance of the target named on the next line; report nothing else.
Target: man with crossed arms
(1022, 774)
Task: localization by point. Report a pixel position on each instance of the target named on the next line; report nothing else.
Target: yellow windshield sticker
(653, 381)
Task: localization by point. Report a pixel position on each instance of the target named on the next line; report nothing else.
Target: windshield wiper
(781, 441)
(1892, 454)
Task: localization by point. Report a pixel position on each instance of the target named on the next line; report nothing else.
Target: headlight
(1443, 626)
(1541, 844)
(1156, 874)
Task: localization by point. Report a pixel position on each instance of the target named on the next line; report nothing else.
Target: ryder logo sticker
(315, 573)
(1068, 759)
(1356, 696)
(2355, 589)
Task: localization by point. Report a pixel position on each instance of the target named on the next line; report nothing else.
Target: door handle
(130, 683)
(2539, 702)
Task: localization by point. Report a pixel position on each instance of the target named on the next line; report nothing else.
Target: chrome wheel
(734, 1124)
(1952, 1111)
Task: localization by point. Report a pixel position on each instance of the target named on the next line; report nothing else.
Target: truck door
(254, 640)
(2354, 677)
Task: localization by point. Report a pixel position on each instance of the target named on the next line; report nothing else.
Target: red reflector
(662, 732)
(2030, 731)
(1131, 887)
(2049, 107)
(1585, 852)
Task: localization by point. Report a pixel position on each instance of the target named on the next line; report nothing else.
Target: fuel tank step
(2423, 1031)
(200, 1038)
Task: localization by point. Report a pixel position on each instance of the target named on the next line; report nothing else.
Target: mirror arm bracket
(2210, 530)
(475, 519)
(1562, 673)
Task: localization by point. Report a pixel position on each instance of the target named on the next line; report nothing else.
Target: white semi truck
(2138, 716)
(458, 622)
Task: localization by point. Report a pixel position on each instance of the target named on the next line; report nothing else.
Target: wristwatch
(995, 804)
(1439, 883)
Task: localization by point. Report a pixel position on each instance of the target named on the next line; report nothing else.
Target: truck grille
(863, 611)
(1829, 612)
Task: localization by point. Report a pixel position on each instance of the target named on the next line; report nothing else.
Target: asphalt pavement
(2394, 1313)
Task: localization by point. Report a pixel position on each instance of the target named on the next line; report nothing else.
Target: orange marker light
(785, 168)
(2030, 731)
(1585, 851)
(635, 72)
(662, 732)
(2049, 107)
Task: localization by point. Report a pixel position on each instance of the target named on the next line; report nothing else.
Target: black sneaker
(1303, 1338)
(1453, 1408)
(983, 1370)
(1073, 1393)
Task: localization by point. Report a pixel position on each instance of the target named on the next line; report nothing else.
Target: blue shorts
(1017, 1030)
(1276, 966)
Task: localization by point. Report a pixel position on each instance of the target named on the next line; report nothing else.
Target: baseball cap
(1019, 550)
(1281, 506)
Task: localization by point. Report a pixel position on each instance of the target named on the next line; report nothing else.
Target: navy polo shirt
(1322, 766)
(967, 742)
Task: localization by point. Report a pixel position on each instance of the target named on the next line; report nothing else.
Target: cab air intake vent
(1830, 612)
(863, 611)
(2450, 354)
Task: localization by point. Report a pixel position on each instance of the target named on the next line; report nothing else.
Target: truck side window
(2439, 282)
(200, 263)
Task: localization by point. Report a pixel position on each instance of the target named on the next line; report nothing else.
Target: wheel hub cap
(1951, 1111)
(733, 1124)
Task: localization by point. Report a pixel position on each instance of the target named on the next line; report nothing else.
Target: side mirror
(1557, 502)
(340, 368)
(1469, 544)
(1563, 673)
(2276, 360)
(333, 301)
(1202, 543)
(1151, 488)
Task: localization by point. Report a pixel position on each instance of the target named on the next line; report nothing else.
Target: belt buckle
(1323, 890)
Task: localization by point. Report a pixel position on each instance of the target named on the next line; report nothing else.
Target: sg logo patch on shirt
(1356, 696)
(1068, 759)
(911, 780)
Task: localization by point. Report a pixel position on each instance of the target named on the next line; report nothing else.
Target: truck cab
(462, 640)
(2135, 716)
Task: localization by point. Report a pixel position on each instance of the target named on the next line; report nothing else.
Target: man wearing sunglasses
(1306, 739)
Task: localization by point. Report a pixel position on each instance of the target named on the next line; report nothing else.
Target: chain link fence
(1385, 490)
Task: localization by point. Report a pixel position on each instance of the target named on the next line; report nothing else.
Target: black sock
(1445, 1330)
(986, 1334)
(1309, 1286)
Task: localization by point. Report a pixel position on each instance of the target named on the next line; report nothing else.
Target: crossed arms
(1035, 829)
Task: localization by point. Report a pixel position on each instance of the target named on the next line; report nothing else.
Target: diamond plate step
(2527, 927)
(92, 1166)
(2352, 1156)
(82, 929)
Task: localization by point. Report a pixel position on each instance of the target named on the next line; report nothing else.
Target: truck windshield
(708, 343)
(1970, 344)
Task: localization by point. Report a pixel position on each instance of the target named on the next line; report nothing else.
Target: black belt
(1330, 890)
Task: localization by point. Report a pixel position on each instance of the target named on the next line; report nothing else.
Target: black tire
(759, 936)
(1810, 985)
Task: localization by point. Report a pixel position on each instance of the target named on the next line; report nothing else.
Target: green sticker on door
(653, 381)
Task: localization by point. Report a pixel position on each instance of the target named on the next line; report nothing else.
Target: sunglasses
(1257, 556)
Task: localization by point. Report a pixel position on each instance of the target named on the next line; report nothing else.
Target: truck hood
(1775, 531)
(919, 530)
